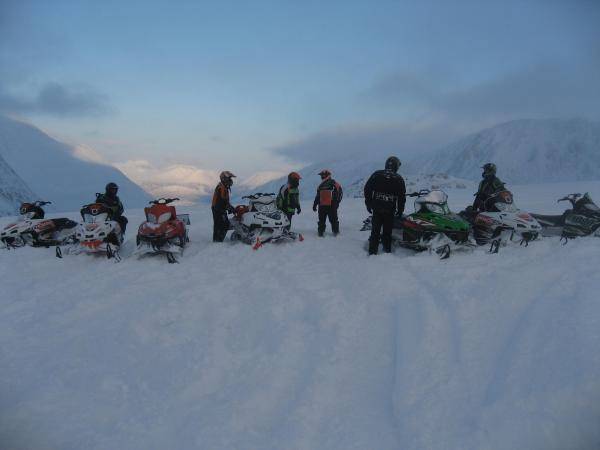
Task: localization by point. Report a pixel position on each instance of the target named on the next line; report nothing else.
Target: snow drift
(13, 190)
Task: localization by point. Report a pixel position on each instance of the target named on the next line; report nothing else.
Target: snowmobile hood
(439, 222)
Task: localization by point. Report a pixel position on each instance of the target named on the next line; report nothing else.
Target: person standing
(385, 196)
(221, 206)
(328, 198)
(288, 198)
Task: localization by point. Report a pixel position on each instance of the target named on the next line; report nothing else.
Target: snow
(65, 175)
(13, 190)
(304, 346)
(525, 151)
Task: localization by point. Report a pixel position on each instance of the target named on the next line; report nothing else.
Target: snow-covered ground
(310, 345)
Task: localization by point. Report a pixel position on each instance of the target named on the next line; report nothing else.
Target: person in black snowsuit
(385, 196)
(328, 198)
(489, 186)
(221, 205)
(111, 200)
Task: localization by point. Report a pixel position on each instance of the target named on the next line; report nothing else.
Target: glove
(230, 209)
(298, 210)
(315, 208)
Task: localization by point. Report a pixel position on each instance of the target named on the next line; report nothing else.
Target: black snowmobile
(582, 220)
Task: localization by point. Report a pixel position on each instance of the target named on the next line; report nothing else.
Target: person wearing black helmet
(487, 187)
(111, 200)
(288, 198)
(328, 198)
(385, 196)
(221, 205)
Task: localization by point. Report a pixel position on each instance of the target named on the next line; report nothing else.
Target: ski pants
(220, 225)
(289, 216)
(331, 213)
(122, 221)
(381, 219)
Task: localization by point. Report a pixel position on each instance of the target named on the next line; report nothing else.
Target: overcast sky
(240, 85)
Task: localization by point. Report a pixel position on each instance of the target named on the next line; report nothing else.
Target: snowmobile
(501, 221)
(431, 227)
(260, 221)
(164, 231)
(97, 234)
(32, 229)
(582, 220)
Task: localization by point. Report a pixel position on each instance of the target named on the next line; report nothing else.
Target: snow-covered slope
(54, 170)
(526, 151)
(311, 345)
(13, 190)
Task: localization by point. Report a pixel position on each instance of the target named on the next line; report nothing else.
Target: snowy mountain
(526, 151)
(13, 190)
(63, 174)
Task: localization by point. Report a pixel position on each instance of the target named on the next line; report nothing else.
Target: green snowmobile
(431, 227)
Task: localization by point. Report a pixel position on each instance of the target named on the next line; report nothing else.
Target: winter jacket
(329, 193)
(220, 200)
(487, 187)
(288, 199)
(112, 203)
(385, 191)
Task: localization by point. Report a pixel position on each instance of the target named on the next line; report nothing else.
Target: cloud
(58, 100)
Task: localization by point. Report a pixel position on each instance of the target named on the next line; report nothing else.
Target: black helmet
(111, 189)
(392, 163)
(489, 169)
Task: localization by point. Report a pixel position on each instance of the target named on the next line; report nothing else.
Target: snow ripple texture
(311, 345)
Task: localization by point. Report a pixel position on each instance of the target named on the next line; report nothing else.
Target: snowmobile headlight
(164, 217)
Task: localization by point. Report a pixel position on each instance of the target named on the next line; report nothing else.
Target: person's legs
(322, 216)
(376, 224)
(386, 239)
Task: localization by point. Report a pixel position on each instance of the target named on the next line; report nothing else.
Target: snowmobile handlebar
(41, 203)
(257, 195)
(421, 193)
(571, 198)
(163, 201)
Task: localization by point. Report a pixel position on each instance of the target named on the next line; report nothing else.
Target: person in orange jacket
(328, 198)
(221, 206)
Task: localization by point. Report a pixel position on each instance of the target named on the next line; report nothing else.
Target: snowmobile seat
(556, 219)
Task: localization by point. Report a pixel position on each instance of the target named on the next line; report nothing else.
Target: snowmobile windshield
(91, 218)
(505, 207)
(162, 218)
(264, 204)
(435, 201)
(436, 208)
(588, 203)
(28, 215)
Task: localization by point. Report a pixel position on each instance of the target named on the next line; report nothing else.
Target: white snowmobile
(583, 219)
(98, 233)
(260, 221)
(32, 229)
(501, 222)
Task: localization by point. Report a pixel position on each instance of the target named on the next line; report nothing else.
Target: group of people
(384, 191)
(327, 201)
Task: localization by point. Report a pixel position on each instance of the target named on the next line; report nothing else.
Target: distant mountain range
(525, 151)
(58, 172)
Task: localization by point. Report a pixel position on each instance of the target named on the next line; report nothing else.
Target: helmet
(489, 169)
(294, 179)
(111, 189)
(392, 163)
(324, 173)
(226, 177)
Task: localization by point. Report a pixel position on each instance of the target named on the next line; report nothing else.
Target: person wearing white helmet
(221, 205)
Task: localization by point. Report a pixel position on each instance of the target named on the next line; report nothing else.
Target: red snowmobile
(164, 231)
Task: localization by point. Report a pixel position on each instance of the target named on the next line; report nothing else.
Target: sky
(268, 85)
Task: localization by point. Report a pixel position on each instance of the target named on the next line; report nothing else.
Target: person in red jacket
(221, 206)
(328, 198)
